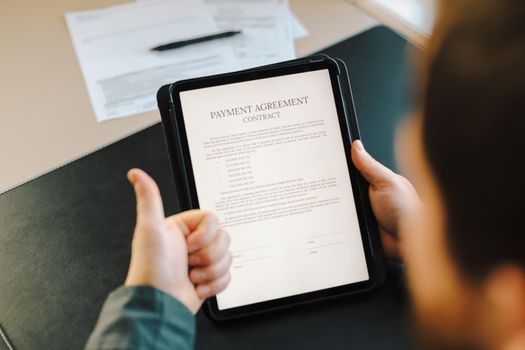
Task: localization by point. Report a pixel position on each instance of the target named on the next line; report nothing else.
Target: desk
(65, 237)
(46, 118)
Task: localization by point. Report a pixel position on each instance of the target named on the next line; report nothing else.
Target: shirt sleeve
(143, 318)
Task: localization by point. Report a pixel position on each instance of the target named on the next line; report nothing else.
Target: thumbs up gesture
(185, 255)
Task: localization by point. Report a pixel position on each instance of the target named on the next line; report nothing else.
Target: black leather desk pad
(65, 236)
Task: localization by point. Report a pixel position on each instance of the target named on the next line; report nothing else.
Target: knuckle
(229, 259)
(208, 235)
(202, 238)
(217, 287)
(211, 274)
(214, 272)
(227, 237)
(222, 241)
(211, 217)
(218, 250)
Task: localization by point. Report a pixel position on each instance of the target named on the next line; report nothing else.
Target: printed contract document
(268, 158)
(121, 74)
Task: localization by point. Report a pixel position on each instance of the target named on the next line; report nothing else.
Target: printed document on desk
(267, 26)
(299, 31)
(121, 74)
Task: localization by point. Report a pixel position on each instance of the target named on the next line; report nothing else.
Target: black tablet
(268, 150)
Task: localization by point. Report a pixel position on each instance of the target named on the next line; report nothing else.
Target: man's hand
(184, 255)
(392, 197)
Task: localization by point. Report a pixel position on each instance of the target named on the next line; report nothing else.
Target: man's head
(465, 152)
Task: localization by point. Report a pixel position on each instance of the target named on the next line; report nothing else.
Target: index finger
(199, 227)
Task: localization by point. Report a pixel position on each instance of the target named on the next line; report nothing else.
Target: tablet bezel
(349, 130)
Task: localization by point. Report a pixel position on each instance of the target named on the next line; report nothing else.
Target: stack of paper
(122, 75)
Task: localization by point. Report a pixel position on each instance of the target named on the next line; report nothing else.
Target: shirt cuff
(143, 317)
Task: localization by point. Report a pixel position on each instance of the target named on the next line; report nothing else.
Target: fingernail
(358, 145)
(131, 175)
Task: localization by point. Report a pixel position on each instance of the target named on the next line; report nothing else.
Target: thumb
(373, 171)
(149, 201)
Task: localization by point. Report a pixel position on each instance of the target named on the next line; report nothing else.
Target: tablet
(268, 150)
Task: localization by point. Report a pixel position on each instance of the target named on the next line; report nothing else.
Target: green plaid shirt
(143, 318)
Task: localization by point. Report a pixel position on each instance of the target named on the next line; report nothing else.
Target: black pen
(182, 43)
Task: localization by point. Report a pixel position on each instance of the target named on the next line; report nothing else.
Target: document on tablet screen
(268, 158)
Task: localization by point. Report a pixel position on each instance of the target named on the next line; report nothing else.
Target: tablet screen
(268, 158)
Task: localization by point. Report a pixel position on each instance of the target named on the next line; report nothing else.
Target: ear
(505, 293)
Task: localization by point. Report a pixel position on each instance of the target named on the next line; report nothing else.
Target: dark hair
(474, 135)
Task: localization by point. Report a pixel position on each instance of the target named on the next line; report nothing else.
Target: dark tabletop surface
(65, 236)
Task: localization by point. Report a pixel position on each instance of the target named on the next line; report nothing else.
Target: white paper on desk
(112, 46)
(266, 26)
(298, 29)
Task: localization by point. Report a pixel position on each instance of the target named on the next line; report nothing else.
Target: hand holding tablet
(268, 150)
